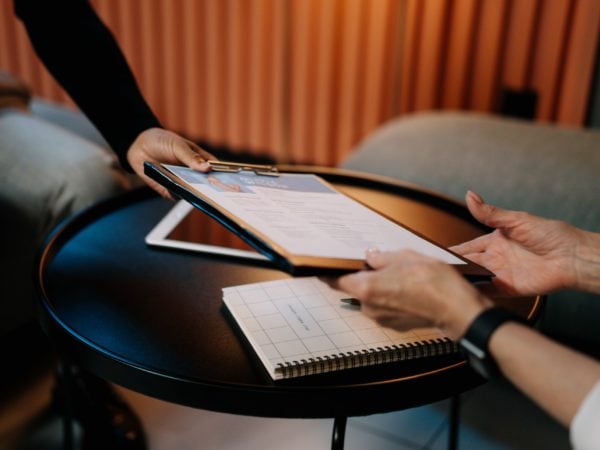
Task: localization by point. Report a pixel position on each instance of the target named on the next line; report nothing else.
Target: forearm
(555, 377)
(587, 263)
(83, 56)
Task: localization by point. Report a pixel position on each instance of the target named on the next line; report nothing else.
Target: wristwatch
(474, 344)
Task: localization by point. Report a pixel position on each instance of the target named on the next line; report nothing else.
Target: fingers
(388, 305)
(377, 259)
(203, 153)
(157, 145)
(490, 215)
(477, 258)
(354, 284)
(392, 318)
(476, 245)
(191, 155)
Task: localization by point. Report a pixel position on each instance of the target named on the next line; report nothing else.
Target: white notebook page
(300, 318)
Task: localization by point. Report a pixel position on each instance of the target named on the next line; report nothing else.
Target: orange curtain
(305, 80)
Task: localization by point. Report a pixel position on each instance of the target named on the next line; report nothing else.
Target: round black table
(151, 319)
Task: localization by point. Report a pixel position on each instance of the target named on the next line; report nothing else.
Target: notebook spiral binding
(379, 355)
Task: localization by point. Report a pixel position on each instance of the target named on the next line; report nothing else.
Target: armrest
(48, 173)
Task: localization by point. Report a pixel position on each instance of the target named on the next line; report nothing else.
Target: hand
(161, 146)
(408, 290)
(528, 254)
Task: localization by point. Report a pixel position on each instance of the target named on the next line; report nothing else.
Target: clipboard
(295, 263)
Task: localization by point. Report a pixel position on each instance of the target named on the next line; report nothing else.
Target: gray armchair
(53, 163)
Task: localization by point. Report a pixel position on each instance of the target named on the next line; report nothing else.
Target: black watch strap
(474, 343)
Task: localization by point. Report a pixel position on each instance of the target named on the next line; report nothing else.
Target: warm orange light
(305, 80)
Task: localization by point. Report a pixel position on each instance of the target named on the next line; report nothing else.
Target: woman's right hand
(528, 254)
(162, 146)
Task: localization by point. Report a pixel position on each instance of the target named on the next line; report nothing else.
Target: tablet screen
(184, 227)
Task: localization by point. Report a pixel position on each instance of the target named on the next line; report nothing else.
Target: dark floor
(494, 416)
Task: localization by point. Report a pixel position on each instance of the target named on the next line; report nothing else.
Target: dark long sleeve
(83, 56)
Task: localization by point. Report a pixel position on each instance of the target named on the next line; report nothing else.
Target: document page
(305, 216)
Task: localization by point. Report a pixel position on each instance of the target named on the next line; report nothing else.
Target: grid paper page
(296, 319)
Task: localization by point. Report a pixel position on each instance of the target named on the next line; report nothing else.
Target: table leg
(339, 432)
(454, 423)
(64, 380)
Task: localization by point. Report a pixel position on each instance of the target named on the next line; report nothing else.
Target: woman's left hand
(408, 290)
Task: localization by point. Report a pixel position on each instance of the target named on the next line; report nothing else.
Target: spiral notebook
(300, 327)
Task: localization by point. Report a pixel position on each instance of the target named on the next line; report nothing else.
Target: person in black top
(84, 57)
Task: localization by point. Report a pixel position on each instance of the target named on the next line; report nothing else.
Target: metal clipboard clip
(233, 167)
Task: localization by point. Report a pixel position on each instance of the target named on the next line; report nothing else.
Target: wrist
(475, 344)
(458, 320)
(586, 263)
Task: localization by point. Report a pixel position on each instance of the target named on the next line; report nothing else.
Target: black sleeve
(83, 56)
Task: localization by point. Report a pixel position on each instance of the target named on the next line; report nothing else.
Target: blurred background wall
(305, 80)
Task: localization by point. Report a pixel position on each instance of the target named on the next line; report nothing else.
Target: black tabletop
(152, 319)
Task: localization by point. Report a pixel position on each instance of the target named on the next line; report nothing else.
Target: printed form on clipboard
(299, 221)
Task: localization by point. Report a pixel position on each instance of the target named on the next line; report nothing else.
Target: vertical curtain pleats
(305, 80)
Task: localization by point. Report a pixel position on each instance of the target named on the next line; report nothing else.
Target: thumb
(489, 215)
(377, 259)
(191, 155)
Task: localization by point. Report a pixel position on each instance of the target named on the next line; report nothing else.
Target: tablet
(186, 228)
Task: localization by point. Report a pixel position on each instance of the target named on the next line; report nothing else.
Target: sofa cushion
(69, 119)
(47, 174)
